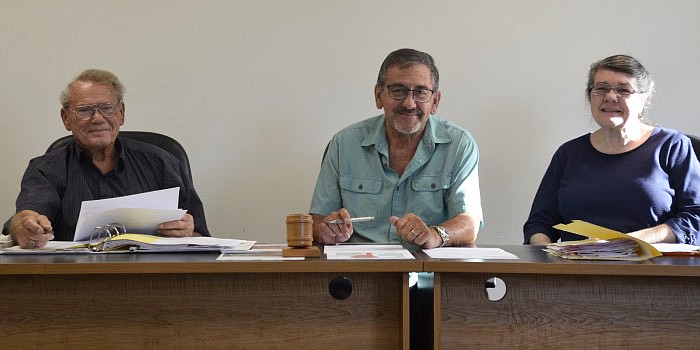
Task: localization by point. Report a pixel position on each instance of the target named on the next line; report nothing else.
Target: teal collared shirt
(440, 182)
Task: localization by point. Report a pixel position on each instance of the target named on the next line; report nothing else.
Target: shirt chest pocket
(428, 194)
(360, 185)
(360, 196)
(431, 183)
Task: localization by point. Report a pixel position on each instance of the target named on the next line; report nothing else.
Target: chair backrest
(695, 140)
(165, 142)
(325, 151)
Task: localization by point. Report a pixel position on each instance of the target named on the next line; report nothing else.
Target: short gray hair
(406, 58)
(97, 76)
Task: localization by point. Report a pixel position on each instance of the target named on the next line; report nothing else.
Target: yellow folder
(599, 235)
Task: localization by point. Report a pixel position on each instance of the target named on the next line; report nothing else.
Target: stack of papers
(600, 249)
(602, 244)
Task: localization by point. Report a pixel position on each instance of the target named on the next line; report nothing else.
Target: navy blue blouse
(658, 182)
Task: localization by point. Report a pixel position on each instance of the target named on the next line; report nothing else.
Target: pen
(364, 218)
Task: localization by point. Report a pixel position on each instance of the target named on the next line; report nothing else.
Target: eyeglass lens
(106, 110)
(400, 92)
(604, 89)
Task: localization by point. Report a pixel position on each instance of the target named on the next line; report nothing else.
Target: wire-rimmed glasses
(400, 92)
(85, 112)
(602, 89)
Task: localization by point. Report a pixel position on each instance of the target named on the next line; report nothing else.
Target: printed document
(138, 213)
(365, 252)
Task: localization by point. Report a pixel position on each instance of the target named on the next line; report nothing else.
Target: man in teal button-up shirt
(416, 174)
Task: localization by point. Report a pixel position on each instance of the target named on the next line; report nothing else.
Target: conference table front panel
(553, 303)
(191, 301)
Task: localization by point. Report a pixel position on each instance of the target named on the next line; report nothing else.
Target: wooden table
(553, 303)
(192, 301)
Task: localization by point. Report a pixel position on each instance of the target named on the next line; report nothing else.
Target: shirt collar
(83, 156)
(435, 132)
(377, 135)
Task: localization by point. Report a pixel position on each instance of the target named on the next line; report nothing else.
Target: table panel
(200, 310)
(555, 303)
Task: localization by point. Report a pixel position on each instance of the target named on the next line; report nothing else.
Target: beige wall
(255, 89)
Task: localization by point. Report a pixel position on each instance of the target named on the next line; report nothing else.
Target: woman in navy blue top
(628, 175)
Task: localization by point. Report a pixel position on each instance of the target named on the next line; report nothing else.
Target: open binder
(113, 237)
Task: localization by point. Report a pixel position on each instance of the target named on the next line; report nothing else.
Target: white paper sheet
(469, 253)
(259, 252)
(366, 252)
(51, 247)
(675, 247)
(139, 213)
(240, 257)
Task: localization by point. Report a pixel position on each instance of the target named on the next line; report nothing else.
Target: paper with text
(139, 213)
(366, 252)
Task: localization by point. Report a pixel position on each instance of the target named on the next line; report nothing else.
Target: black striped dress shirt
(55, 184)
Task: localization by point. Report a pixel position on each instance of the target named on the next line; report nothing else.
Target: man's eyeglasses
(399, 93)
(602, 89)
(107, 110)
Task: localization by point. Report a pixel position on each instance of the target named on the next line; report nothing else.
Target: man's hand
(412, 228)
(178, 228)
(30, 229)
(329, 233)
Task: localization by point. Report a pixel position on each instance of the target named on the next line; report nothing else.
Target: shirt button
(433, 185)
(360, 187)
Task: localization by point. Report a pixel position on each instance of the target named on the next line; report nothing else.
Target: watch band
(443, 234)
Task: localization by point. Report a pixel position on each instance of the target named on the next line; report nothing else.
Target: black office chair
(325, 151)
(695, 140)
(165, 142)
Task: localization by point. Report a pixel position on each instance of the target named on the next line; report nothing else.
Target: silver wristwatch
(443, 234)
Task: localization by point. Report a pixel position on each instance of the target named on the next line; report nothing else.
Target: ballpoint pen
(341, 221)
